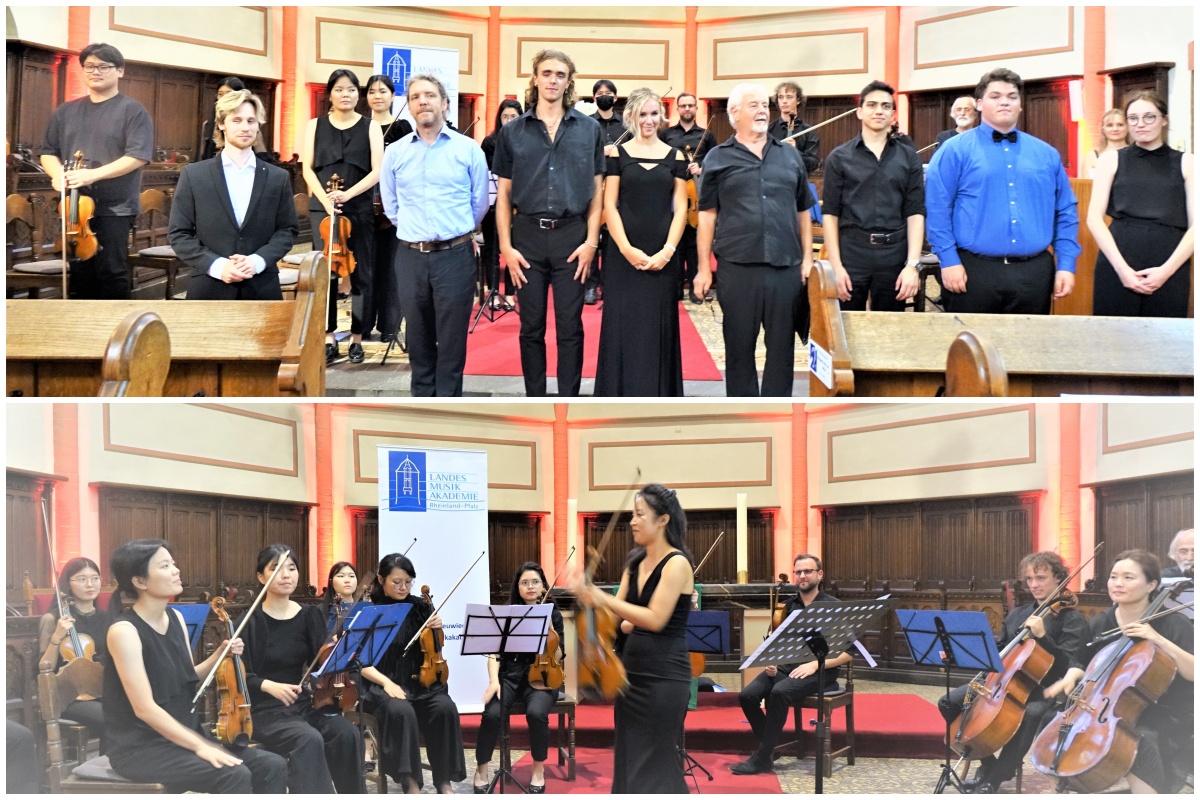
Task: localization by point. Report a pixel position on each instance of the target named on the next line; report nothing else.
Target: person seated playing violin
(154, 732)
(786, 685)
(1166, 727)
(338, 595)
(401, 703)
(79, 583)
(1061, 634)
(508, 680)
(324, 749)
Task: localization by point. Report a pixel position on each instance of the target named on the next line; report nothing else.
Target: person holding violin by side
(693, 141)
(1061, 632)
(1166, 727)
(345, 144)
(783, 686)
(79, 584)
(789, 97)
(322, 747)
(115, 134)
(381, 94)
(153, 729)
(653, 602)
(508, 681)
(401, 701)
(339, 594)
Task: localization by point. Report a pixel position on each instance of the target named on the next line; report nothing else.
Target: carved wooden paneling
(39, 77)
(1142, 514)
(366, 543)
(1046, 114)
(946, 538)
(513, 539)
(192, 531)
(25, 539)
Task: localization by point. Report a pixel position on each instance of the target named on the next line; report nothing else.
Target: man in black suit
(233, 217)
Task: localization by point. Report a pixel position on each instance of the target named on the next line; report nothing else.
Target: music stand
(812, 633)
(707, 633)
(366, 637)
(950, 639)
(486, 297)
(194, 617)
(497, 630)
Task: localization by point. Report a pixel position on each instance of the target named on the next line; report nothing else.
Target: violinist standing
(116, 135)
(653, 601)
(1061, 634)
(395, 695)
(790, 99)
(687, 136)
(323, 748)
(233, 217)
(1166, 727)
(154, 732)
(508, 681)
(783, 686)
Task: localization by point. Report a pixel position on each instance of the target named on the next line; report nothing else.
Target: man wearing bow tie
(996, 200)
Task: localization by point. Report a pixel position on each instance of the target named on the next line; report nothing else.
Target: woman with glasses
(403, 706)
(1144, 265)
(508, 680)
(79, 584)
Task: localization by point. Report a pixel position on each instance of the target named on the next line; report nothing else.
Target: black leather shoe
(589, 297)
(386, 338)
(331, 353)
(482, 789)
(980, 785)
(356, 353)
(694, 298)
(751, 767)
(537, 789)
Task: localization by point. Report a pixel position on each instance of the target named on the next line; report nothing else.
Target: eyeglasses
(83, 580)
(100, 69)
(804, 572)
(402, 584)
(1146, 119)
(534, 584)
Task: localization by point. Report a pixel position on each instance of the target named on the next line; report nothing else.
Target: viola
(76, 644)
(77, 650)
(1092, 743)
(433, 666)
(335, 232)
(546, 671)
(335, 689)
(234, 726)
(77, 210)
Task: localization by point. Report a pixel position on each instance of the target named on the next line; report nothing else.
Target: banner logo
(406, 481)
(397, 65)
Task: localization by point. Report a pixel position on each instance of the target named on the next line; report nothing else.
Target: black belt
(552, 224)
(433, 247)
(1007, 259)
(877, 239)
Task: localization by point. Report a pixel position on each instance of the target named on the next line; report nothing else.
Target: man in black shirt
(116, 136)
(693, 141)
(874, 210)
(612, 126)
(790, 99)
(786, 685)
(754, 202)
(964, 114)
(550, 162)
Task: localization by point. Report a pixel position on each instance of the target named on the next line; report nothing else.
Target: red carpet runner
(493, 348)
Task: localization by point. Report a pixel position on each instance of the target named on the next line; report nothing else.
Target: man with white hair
(1183, 553)
(754, 215)
(963, 113)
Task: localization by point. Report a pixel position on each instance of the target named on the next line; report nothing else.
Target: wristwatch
(912, 262)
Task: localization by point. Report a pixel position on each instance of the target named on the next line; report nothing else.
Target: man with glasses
(786, 685)
(790, 99)
(116, 136)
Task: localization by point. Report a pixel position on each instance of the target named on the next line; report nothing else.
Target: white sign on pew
(820, 364)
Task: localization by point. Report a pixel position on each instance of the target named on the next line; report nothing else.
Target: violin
(1092, 743)
(76, 644)
(336, 689)
(77, 210)
(693, 201)
(546, 671)
(697, 659)
(433, 667)
(778, 607)
(234, 726)
(335, 232)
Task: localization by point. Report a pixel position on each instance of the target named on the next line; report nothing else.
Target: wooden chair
(370, 726)
(157, 256)
(35, 276)
(931, 269)
(843, 698)
(288, 274)
(564, 741)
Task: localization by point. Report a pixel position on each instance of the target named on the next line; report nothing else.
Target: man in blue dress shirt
(440, 179)
(995, 200)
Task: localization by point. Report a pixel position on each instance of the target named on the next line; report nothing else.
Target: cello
(335, 232)
(234, 726)
(1093, 742)
(697, 659)
(546, 671)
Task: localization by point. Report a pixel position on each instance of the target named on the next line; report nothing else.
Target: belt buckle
(546, 224)
(878, 238)
(424, 247)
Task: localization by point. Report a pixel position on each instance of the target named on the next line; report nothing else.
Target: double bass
(546, 671)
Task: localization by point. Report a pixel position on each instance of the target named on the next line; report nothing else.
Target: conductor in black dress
(233, 217)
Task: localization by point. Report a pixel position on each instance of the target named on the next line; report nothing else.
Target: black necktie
(1011, 136)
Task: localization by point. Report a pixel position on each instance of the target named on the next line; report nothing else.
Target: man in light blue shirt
(434, 187)
(996, 199)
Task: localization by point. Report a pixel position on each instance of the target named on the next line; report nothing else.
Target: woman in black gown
(508, 111)
(1144, 265)
(653, 601)
(381, 93)
(645, 208)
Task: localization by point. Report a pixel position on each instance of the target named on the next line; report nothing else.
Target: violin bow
(709, 553)
(557, 571)
(425, 624)
(928, 147)
(819, 125)
(58, 595)
(410, 546)
(596, 552)
(284, 556)
(62, 193)
(472, 125)
(1058, 589)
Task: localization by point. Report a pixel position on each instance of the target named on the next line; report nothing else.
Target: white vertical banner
(439, 497)
(401, 61)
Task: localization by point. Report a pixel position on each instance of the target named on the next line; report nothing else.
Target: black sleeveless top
(345, 153)
(94, 625)
(662, 655)
(1149, 186)
(172, 676)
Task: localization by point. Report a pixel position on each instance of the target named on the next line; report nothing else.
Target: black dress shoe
(482, 789)
(589, 297)
(694, 298)
(331, 353)
(386, 338)
(980, 785)
(537, 789)
(751, 767)
(356, 353)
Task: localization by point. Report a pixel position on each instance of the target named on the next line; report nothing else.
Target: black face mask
(605, 102)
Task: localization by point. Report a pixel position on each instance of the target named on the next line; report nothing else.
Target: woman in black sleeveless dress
(653, 602)
(154, 734)
(645, 208)
(1144, 265)
(349, 145)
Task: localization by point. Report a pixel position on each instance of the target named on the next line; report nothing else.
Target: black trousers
(435, 716)
(362, 280)
(104, 276)
(993, 287)
(873, 271)
(780, 693)
(386, 291)
(1144, 244)
(399, 736)
(323, 751)
(687, 253)
(263, 286)
(537, 702)
(755, 296)
(439, 291)
(547, 253)
(22, 774)
(180, 770)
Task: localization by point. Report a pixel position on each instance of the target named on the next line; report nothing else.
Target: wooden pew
(974, 368)
(218, 348)
(904, 355)
(138, 357)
